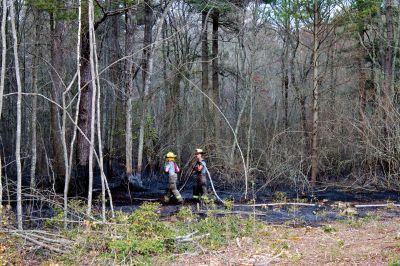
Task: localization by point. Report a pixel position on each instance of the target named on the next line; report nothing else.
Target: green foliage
(328, 228)
(279, 246)
(56, 7)
(280, 196)
(394, 262)
(144, 235)
(340, 243)
(365, 11)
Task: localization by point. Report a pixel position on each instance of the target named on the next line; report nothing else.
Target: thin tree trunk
(68, 173)
(2, 78)
(146, 73)
(57, 28)
(19, 117)
(314, 148)
(93, 106)
(388, 67)
(204, 73)
(85, 105)
(361, 86)
(215, 73)
(130, 26)
(285, 79)
(34, 103)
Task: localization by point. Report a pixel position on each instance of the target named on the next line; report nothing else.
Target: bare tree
(34, 101)
(129, 93)
(148, 53)
(315, 109)
(2, 78)
(19, 117)
(94, 97)
(204, 70)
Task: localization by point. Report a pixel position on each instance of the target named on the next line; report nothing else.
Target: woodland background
(293, 93)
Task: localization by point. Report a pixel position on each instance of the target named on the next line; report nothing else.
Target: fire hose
(211, 182)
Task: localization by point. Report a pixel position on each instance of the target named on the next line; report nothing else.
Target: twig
(273, 258)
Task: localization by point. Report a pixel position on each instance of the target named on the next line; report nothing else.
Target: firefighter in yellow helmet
(200, 169)
(172, 169)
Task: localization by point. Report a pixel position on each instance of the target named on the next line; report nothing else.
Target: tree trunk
(285, 79)
(34, 102)
(388, 67)
(148, 21)
(315, 110)
(84, 119)
(92, 60)
(69, 170)
(215, 74)
(361, 84)
(57, 29)
(130, 25)
(2, 78)
(19, 117)
(204, 73)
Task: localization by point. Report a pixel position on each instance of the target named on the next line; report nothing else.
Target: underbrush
(142, 238)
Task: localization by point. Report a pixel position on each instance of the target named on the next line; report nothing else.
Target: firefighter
(172, 169)
(200, 169)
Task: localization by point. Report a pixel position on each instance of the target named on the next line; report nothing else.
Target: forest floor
(373, 239)
(286, 231)
(357, 242)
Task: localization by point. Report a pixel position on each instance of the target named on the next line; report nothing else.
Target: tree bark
(130, 25)
(148, 21)
(69, 170)
(215, 74)
(285, 75)
(388, 67)
(19, 117)
(315, 110)
(2, 78)
(361, 84)
(93, 75)
(84, 120)
(57, 29)
(34, 102)
(204, 73)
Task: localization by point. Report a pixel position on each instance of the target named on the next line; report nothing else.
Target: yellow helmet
(170, 155)
(199, 151)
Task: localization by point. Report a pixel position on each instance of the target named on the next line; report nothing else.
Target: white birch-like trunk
(19, 117)
(2, 78)
(314, 148)
(147, 84)
(93, 110)
(68, 173)
(104, 183)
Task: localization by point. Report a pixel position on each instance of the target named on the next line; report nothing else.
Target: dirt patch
(352, 242)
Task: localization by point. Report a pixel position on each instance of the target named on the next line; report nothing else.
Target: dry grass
(373, 242)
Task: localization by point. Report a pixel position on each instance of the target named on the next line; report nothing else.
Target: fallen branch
(231, 212)
(184, 240)
(41, 244)
(277, 204)
(389, 205)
